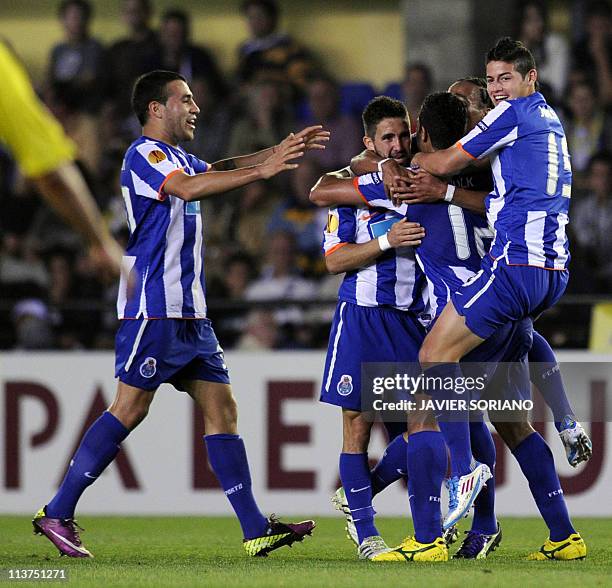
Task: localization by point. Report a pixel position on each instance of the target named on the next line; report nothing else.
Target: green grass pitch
(207, 551)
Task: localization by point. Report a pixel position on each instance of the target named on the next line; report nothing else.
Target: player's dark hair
(445, 117)
(151, 87)
(269, 6)
(379, 108)
(83, 5)
(514, 52)
(485, 99)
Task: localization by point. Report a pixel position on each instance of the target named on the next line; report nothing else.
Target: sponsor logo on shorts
(345, 385)
(156, 156)
(148, 368)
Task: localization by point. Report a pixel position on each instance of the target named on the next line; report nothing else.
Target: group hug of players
(450, 250)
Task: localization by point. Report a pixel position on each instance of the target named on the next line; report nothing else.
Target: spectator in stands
(297, 215)
(324, 106)
(261, 332)
(231, 286)
(22, 270)
(77, 66)
(588, 127)
(132, 56)
(33, 325)
(280, 277)
(592, 225)
(416, 85)
(180, 55)
(267, 118)
(250, 217)
(551, 50)
(214, 121)
(593, 53)
(268, 50)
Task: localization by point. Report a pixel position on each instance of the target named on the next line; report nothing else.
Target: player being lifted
(444, 268)
(164, 334)
(424, 187)
(526, 269)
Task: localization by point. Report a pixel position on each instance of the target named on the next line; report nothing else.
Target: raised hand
(422, 187)
(291, 147)
(314, 137)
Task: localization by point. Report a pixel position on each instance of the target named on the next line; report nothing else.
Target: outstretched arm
(425, 188)
(313, 138)
(215, 182)
(446, 162)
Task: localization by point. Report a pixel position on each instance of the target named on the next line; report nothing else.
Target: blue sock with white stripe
(427, 462)
(228, 459)
(484, 506)
(357, 484)
(392, 465)
(98, 448)
(538, 466)
(545, 375)
(453, 423)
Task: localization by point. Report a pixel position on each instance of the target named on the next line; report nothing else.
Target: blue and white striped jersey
(165, 252)
(393, 279)
(454, 244)
(533, 179)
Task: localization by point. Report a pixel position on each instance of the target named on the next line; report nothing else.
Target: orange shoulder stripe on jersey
(160, 192)
(460, 146)
(335, 248)
(356, 184)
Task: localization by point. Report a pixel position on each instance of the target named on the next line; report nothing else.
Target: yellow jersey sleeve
(31, 133)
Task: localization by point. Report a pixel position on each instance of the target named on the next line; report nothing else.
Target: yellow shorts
(31, 133)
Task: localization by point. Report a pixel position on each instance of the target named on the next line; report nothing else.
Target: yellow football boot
(573, 547)
(411, 550)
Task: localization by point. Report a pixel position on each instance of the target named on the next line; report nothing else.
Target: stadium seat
(354, 96)
(394, 90)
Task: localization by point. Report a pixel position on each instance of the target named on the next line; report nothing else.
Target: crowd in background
(264, 241)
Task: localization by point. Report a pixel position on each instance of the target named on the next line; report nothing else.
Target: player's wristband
(450, 192)
(383, 242)
(380, 164)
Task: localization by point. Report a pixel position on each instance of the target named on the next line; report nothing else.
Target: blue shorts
(151, 352)
(500, 293)
(363, 334)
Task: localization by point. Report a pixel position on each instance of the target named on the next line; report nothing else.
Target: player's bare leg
(228, 459)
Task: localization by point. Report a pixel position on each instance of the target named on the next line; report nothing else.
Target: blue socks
(228, 459)
(98, 448)
(427, 461)
(392, 465)
(538, 466)
(484, 451)
(357, 484)
(453, 424)
(545, 375)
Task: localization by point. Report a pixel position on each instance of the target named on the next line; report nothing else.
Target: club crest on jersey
(345, 385)
(148, 368)
(156, 156)
(332, 223)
